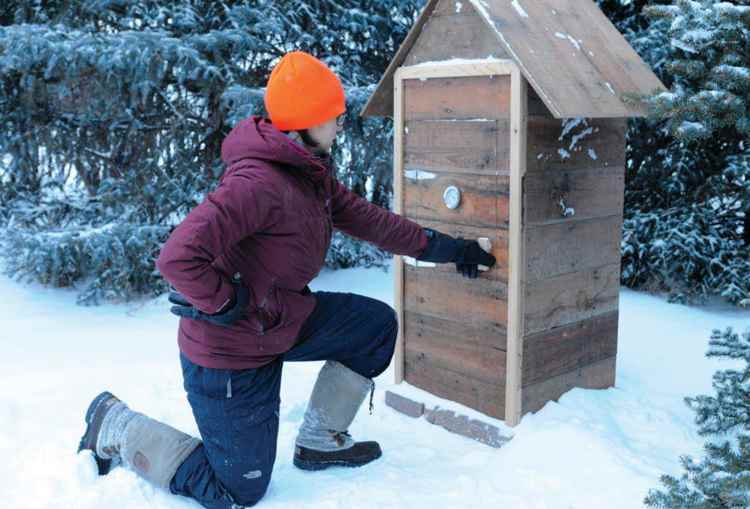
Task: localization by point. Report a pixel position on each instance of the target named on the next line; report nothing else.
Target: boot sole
(93, 423)
(322, 465)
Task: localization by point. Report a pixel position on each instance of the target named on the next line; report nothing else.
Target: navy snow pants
(237, 411)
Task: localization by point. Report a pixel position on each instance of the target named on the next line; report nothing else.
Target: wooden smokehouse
(510, 120)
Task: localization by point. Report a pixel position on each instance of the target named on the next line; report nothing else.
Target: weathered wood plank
(455, 386)
(411, 196)
(473, 97)
(477, 302)
(398, 208)
(461, 358)
(600, 375)
(498, 238)
(571, 297)
(576, 246)
(477, 147)
(489, 67)
(458, 348)
(623, 70)
(604, 147)
(575, 58)
(517, 243)
(563, 349)
(594, 192)
(484, 198)
(448, 34)
(445, 331)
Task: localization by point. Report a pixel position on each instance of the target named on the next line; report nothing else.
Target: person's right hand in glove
(467, 254)
(233, 311)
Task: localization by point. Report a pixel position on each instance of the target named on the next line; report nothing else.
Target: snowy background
(590, 449)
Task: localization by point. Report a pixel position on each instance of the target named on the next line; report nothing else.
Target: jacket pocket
(273, 311)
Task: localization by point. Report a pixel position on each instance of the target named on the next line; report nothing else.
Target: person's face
(325, 134)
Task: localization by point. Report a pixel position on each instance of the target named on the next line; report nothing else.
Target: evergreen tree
(115, 111)
(721, 480)
(687, 184)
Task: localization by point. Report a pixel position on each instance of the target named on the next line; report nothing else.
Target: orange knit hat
(303, 92)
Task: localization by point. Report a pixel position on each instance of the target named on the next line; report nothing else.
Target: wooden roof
(571, 54)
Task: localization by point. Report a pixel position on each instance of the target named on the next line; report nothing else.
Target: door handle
(485, 244)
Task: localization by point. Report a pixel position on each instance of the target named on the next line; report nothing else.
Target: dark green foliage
(115, 260)
(687, 187)
(711, 53)
(730, 408)
(344, 253)
(115, 111)
(721, 480)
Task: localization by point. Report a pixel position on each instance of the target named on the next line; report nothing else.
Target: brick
(404, 405)
(470, 428)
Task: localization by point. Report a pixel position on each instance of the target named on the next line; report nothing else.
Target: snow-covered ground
(591, 449)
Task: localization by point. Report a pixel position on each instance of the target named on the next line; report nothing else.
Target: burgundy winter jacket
(270, 220)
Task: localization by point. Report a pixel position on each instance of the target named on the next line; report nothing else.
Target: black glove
(225, 319)
(467, 254)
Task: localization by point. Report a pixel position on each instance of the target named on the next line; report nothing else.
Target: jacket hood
(257, 138)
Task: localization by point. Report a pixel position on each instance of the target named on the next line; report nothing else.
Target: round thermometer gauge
(452, 197)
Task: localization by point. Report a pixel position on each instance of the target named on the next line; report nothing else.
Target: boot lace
(372, 394)
(339, 436)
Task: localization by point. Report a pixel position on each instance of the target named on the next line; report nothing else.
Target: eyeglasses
(340, 120)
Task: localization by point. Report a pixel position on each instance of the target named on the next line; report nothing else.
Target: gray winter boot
(116, 434)
(323, 440)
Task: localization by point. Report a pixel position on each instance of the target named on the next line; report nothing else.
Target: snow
(574, 453)
(418, 263)
(419, 175)
(519, 9)
(83, 232)
(568, 126)
(457, 61)
(578, 137)
(691, 127)
(684, 46)
(738, 73)
(576, 44)
(728, 8)
(462, 120)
